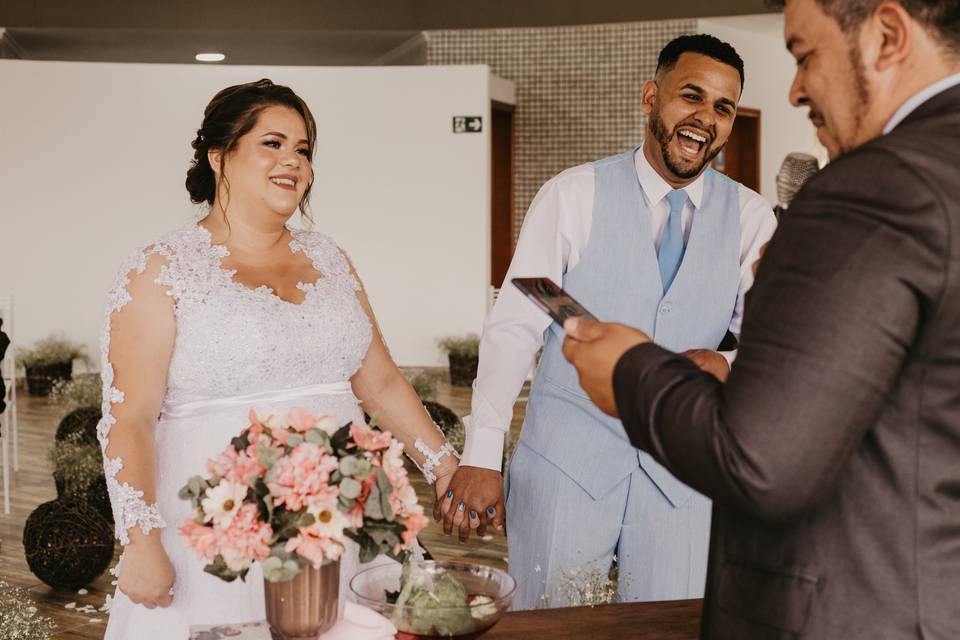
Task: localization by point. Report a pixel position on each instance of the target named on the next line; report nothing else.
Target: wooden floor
(33, 485)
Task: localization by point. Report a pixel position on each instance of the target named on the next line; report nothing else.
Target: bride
(236, 311)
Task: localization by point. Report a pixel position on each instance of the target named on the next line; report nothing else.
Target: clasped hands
(470, 498)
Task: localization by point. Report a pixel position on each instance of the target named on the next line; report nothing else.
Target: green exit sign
(467, 124)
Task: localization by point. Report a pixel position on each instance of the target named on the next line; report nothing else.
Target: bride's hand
(443, 501)
(146, 573)
(476, 491)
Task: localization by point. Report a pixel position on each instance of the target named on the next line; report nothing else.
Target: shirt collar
(656, 188)
(910, 105)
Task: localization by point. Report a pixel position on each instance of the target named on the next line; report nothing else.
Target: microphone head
(796, 169)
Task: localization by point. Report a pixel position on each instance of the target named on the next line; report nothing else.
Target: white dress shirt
(553, 237)
(918, 99)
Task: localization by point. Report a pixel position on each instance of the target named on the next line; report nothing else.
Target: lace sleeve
(129, 506)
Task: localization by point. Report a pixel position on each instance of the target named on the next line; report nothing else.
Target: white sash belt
(280, 396)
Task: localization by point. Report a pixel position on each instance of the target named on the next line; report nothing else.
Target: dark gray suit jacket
(833, 450)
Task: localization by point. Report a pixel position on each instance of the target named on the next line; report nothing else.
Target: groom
(652, 238)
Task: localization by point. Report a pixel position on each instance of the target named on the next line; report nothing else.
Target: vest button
(664, 309)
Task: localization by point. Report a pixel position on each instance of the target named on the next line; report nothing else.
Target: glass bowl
(413, 621)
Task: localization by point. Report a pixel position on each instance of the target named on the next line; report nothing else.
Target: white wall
(93, 158)
(769, 72)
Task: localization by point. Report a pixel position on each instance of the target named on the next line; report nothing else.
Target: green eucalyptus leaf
(220, 569)
(374, 507)
(317, 437)
(383, 484)
(276, 569)
(350, 488)
(241, 442)
(267, 456)
(363, 468)
(340, 439)
(349, 466)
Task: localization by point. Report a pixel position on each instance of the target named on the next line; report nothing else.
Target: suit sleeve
(838, 303)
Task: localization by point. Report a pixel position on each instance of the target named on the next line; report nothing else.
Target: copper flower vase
(305, 607)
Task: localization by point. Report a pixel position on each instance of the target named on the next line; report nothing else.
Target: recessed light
(210, 57)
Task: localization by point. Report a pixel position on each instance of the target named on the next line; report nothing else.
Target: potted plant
(463, 353)
(254, 507)
(49, 361)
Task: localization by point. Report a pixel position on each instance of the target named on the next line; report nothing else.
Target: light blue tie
(671, 246)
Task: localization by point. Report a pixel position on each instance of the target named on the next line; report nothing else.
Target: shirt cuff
(729, 356)
(482, 447)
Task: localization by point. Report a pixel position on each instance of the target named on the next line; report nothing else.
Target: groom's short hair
(701, 43)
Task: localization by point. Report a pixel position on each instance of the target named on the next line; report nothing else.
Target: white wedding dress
(236, 348)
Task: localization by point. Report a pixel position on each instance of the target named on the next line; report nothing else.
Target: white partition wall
(93, 158)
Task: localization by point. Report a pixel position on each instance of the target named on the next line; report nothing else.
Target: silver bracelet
(432, 458)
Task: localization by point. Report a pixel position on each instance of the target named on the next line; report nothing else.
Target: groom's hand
(480, 491)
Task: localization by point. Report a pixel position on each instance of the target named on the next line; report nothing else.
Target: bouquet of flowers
(291, 488)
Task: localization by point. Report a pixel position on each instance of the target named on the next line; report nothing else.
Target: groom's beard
(663, 137)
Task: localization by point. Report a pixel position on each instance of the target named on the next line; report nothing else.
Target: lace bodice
(232, 340)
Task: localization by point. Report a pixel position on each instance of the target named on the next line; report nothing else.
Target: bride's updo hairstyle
(230, 115)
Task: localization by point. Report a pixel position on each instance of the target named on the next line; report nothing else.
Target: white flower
(408, 496)
(328, 425)
(330, 521)
(276, 420)
(393, 456)
(223, 502)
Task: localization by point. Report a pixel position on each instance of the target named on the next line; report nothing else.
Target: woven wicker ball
(67, 543)
(83, 422)
(444, 417)
(96, 495)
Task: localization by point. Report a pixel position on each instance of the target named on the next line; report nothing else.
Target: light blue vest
(618, 280)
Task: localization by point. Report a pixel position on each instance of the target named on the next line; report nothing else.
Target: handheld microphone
(796, 169)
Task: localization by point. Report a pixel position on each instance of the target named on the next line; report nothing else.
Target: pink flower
(324, 538)
(403, 499)
(200, 538)
(301, 419)
(414, 523)
(302, 474)
(369, 439)
(256, 427)
(314, 549)
(280, 436)
(246, 540)
(239, 467)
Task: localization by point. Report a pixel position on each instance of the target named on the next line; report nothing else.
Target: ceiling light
(210, 57)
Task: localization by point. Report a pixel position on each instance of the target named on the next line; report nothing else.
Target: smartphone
(546, 294)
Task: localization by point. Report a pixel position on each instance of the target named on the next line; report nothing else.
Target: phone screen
(556, 302)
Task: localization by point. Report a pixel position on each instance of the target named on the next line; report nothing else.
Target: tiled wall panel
(578, 88)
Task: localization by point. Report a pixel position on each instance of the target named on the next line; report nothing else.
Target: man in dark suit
(832, 453)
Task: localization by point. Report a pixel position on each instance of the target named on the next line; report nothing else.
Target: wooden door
(502, 172)
(740, 158)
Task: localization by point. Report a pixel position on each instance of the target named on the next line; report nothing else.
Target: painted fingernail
(473, 514)
(460, 507)
(491, 510)
(450, 494)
